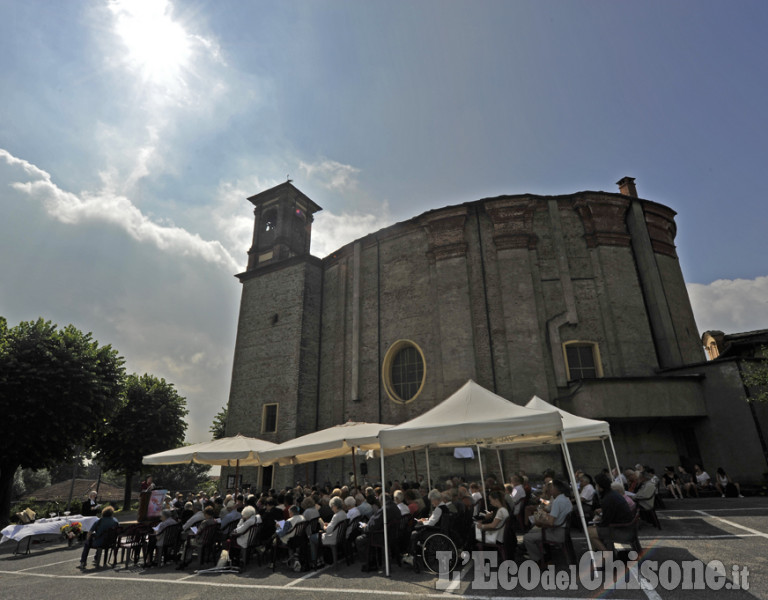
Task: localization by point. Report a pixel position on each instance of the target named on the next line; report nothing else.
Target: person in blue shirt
(555, 522)
(97, 536)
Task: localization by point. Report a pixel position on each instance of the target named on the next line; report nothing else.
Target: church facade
(578, 299)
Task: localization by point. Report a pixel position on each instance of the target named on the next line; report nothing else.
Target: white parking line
(725, 536)
(314, 590)
(732, 524)
(307, 576)
(685, 510)
(649, 592)
(61, 562)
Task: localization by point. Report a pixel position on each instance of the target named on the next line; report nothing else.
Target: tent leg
(482, 477)
(429, 475)
(615, 458)
(607, 460)
(501, 466)
(354, 468)
(237, 477)
(572, 477)
(415, 468)
(384, 510)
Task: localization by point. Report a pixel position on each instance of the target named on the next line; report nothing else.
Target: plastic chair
(171, 544)
(254, 534)
(566, 546)
(624, 533)
(110, 546)
(131, 542)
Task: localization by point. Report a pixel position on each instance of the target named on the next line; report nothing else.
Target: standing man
(90, 506)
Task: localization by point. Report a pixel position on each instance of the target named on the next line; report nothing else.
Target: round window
(404, 371)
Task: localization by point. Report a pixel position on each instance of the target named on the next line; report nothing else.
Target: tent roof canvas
(225, 451)
(335, 441)
(575, 428)
(474, 415)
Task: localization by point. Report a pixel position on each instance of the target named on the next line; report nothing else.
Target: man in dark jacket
(374, 529)
(613, 510)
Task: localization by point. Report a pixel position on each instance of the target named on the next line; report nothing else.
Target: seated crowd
(348, 520)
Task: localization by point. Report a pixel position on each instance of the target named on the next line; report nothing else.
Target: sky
(132, 132)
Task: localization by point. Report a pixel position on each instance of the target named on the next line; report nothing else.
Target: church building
(577, 298)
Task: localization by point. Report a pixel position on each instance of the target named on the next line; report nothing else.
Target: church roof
(285, 188)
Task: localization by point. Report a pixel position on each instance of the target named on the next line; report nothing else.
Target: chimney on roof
(627, 186)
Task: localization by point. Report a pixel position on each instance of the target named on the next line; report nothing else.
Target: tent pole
(384, 510)
(354, 468)
(607, 460)
(572, 476)
(501, 466)
(482, 477)
(237, 477)
(415, 468)
(429, 476)
(615, 458)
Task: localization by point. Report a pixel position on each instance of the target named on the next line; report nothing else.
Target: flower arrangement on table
(71, 530)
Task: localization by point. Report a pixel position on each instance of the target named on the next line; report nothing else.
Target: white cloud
(331, 174)
(331, 231)
(114, 209)
(730, 305)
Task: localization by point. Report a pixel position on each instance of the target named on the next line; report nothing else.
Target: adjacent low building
(578, 299)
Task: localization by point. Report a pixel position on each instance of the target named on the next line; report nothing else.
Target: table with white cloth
(41, 527)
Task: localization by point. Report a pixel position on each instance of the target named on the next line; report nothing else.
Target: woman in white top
(703, 480)
(499, 519)
(587, 490)
(723, 479)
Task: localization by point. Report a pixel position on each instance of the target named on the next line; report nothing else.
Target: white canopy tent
(475, 416)
(237, 451)
(334, 442)
(225, 451)
(579, 429)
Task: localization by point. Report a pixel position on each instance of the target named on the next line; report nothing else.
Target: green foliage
(180, 477)
(208, 486)
(60, 381)
(57, 387)
(19, 488)
(218, 428)
(149, 420)
(36, 479)
(755, 376)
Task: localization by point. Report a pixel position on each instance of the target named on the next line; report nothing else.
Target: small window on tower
(582, 360)
(269, 418)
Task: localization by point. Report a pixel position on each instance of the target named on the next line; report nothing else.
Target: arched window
(404, 371)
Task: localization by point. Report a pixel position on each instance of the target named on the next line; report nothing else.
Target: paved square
(733, 531)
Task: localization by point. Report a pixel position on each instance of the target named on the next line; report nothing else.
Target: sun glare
(158, 47)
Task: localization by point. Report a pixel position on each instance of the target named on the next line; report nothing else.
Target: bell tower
(282, 227)
(273, 395)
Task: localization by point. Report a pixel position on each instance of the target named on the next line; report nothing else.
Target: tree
(177, 478)
(57, 387)
(218, 428)
(150, 419)
(755, 376)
